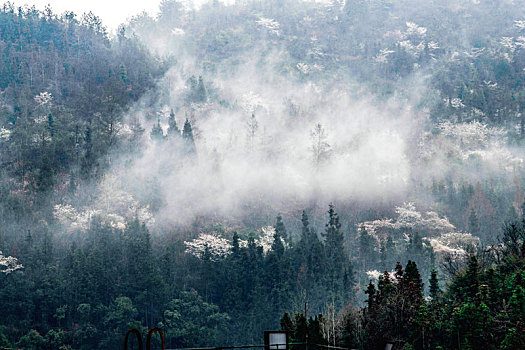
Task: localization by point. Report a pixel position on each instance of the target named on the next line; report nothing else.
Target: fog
(317, 135)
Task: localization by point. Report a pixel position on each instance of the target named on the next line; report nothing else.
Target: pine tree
(413, 280)
(45, 176)
(187, 135)
(287, 323)
(281, 229)
(277, 245)
(51, 125)
(202, 95)
(371, 292)
(156, 133)
(433, 284)
(173, 129)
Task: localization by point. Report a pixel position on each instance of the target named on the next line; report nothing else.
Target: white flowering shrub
(453, 244)
(303, 67)
(218, 247)
(72, 219)
(414, 29)
(265, 239)
(374, 275)
(270, 24)
(113, 205)
(467, 141)
(9, 264)
(41, 119)
(408, 217)
(382, 56)
(456, 103)
(43, 98)
(5, 134)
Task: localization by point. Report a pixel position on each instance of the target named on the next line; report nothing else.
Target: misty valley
(345, 171)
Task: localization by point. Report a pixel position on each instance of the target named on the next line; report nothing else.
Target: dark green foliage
(173, 129)
(434, 289)
(187, 136)
(66, 86)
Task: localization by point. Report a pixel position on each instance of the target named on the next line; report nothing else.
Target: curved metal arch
(137, 334)
(150, 333)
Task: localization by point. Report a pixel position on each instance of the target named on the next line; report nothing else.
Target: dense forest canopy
(211, 169)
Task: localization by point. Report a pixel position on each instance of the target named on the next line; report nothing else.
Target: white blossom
(456, 103)
(375, 274)
(413, 28)
(303, 67)
(43, 98)
(520, 41)
(9, 264)
(520, 24)
(432, 45)
(265, 239)
(382, 56)
(475, 52)
(218, 247)
(508, 42)
(453, 243)
(113, 205)
(270, 24)
(411, 48)
(41, 119)
(408, 216)
(73, 219)
(5, 134)
(491, 85)
(178, 31)
(371, 227)
(435, 223)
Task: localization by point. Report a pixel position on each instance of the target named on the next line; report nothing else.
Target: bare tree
(320, 147)
(252, 127)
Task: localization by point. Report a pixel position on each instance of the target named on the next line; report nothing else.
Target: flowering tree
(9, 264)
(218, 247)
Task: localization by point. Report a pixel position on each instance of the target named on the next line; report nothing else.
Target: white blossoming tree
(218, 247)
(9, 264)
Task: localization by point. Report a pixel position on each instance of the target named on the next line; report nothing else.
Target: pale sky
(112, 12)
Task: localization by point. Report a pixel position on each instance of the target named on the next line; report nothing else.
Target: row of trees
(85, 294)
(482, 306)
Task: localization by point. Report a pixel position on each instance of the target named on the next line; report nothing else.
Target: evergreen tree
(280, 229)
(173, 129)
(156, 133)
(434, 289)
(45, 176)
(51, 125)
(512, 215)
(187, 135)
(287, 323)
(202, 95)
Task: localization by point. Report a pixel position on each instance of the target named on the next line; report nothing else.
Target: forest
(347, 171)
